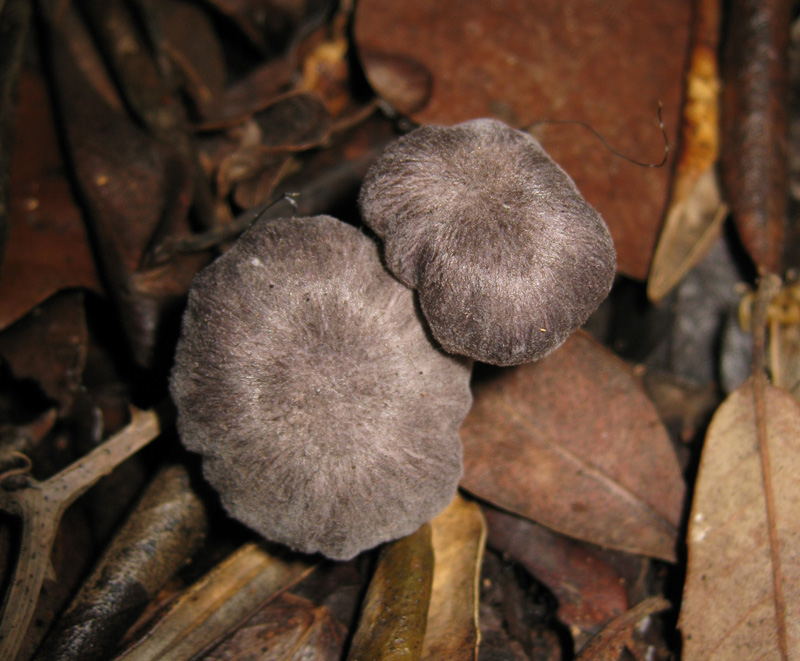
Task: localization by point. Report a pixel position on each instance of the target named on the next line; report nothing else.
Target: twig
(41, 506)
(768, 288)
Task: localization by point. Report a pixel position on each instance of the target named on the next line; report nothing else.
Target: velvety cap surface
(326, 418)
(507, 256)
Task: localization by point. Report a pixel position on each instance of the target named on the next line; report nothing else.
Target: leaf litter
(132, 167)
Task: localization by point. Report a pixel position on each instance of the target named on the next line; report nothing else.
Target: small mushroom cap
(507, 257)
(327, 419)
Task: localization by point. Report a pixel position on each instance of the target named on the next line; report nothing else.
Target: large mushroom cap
(506, 255)
(326, 418)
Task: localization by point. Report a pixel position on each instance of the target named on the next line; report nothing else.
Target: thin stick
(768, 288)
(41, 506)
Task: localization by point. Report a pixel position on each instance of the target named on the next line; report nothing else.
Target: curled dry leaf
(218, 602)
(573, 442)
(696, 211)
(164, 530)
(458, 536)
(395, 611)
(135, 188)
(753, 162)
(399, 80)
(741, 599)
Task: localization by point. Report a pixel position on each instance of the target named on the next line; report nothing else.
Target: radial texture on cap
(326, 418)
(507, 256)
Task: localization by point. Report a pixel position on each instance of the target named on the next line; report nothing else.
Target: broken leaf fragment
(217, 603)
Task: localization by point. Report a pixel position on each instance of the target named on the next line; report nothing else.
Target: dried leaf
(458, 536)
(590, 592)
(400, 80)
(695, 212)
(222, 599)
(731, 609)
(611, 641)
(49, 346)
(294, 122)
(572, 442)
(524, 61)
(754, 125)
(193, 47)
(15, 20)
(48, 248)
(288, 628)
(164, 530)
(395, 612)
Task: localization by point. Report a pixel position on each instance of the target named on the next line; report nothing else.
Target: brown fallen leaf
(458, 536)
(741, 599)
(590, 592)
(49, 346)
(573, 443)
(288, 628)
(395, 611)
(399, 80)
(523, 61)
(611, 641)
(754, 164)
(696, 211)
(192, 47)
(135, 189)
(48, 247)
(218, 602)
(15, 21)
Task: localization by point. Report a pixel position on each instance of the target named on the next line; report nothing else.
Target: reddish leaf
(590, 592)
(49, 346)
(606, 64)
(47, 248)
(754, 125)
(572, 442)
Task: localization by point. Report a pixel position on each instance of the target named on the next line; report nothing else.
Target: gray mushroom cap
(506, 255)
(326, 418)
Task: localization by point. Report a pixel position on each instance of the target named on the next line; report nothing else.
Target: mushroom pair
(305, 374)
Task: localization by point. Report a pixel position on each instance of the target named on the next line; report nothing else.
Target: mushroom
(326, 418)
(507, 257)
